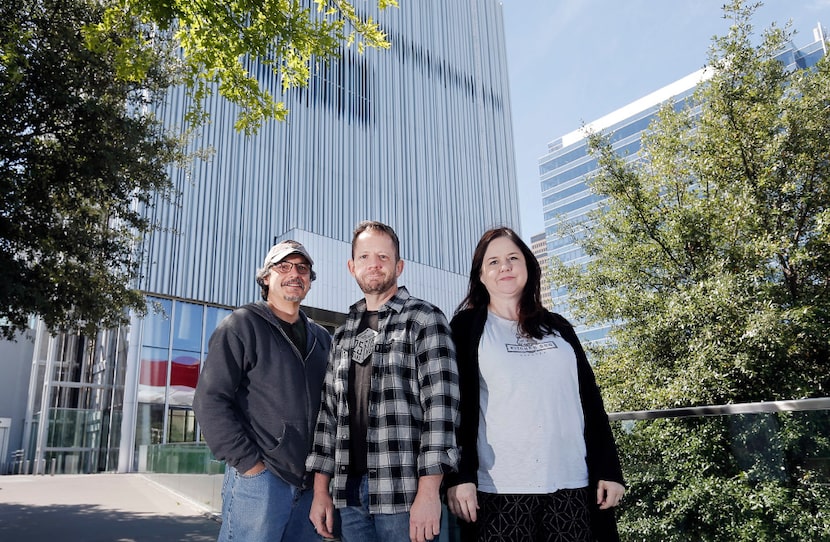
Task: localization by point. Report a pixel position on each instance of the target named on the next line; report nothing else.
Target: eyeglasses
(286, 267)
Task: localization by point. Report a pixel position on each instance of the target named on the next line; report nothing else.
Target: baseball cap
(282, 250)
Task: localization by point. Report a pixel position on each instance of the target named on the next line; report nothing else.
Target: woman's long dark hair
(534, 319)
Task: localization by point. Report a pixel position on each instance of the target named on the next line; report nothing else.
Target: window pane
(157, 322)
(181, 425)
(184, 372)
(149, 424)
(188, 327)
(152, 378)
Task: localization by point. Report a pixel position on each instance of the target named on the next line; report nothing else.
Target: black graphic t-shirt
(360, 380)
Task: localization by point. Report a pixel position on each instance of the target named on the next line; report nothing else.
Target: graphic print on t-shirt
(364, 344)
(526, 344)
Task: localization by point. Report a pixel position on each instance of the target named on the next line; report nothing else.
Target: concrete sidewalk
(98, 508)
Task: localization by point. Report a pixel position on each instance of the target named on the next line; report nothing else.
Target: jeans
(263, 508)
(358, 525)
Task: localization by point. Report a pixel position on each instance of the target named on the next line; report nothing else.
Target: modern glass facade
(567, 169)
(77, 386)
(418, 137)
(82, 385)
(174, 339)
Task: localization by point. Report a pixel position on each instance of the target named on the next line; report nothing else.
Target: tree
(711, 256)
(220, 41)
(79, 150)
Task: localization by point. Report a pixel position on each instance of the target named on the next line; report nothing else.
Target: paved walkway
(98, 508)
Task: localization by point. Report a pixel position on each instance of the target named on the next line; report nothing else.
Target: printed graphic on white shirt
(529, 344)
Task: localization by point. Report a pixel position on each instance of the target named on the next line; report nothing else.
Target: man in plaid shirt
(386, 428)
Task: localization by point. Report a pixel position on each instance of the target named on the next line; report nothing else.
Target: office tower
(539, 246)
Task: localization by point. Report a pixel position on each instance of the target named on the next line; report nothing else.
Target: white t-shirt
(530, 432)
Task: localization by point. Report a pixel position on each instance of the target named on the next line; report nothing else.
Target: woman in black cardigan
(542, 464)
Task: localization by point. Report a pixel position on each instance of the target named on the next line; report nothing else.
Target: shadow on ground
(92, 523)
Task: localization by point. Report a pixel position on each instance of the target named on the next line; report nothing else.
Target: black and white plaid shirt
(413, 404)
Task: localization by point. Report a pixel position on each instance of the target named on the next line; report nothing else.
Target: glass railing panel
(187, 468)
(756, 472)
(754, 476)
(182, 458)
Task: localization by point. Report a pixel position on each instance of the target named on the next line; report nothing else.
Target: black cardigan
(601, 450)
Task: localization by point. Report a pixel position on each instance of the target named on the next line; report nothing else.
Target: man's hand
(609, 494)
(463, 501)
(322, 507)
(256, 469)
(425, 514)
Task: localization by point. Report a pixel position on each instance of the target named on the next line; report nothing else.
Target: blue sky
(573, 61)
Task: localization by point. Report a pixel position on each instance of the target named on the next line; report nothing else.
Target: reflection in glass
(149, 423)
(157, 322)
(184, 373)
(170, 366)
(182, 425)
(188, 327)
(152, 380)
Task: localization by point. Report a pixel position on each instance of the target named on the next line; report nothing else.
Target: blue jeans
(263, 508)
(358, 525)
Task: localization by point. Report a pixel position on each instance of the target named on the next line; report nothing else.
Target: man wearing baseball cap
(257, 401)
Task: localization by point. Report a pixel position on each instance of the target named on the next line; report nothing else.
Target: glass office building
(539, 247)
(418, 137)
(566, 170)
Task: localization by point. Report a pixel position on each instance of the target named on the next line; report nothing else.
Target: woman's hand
(609, 494)
(463, 502)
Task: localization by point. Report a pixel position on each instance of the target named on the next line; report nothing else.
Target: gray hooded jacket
(257, 398)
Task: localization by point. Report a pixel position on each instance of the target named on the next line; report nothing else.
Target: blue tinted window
(630, 148)
(574, 205)
(565, 240)
(566, 158)
(570, 191)
(569, 175)
(157, 322)
(188, 327)
(594, 334)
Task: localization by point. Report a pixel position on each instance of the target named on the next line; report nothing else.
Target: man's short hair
(373, 225)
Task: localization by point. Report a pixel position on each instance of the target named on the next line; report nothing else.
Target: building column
(126, 449)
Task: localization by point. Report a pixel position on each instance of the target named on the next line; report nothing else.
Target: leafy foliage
(78, 152)
(222, 42)
(711, 257)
